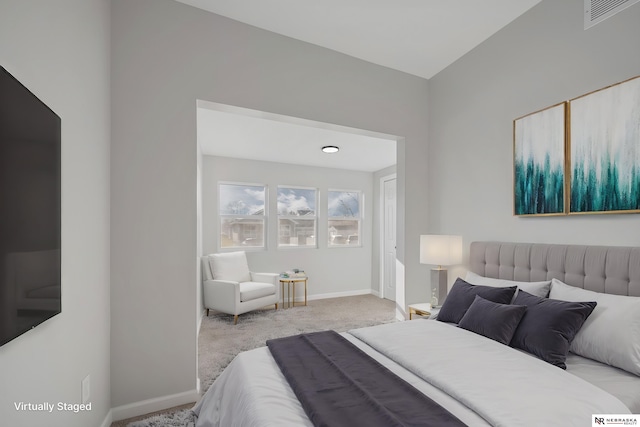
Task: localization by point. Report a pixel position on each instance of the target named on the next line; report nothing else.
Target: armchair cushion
(230, 266)
(254, 290)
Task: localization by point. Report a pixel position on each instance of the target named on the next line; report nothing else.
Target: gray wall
(60, 51)
(542, 58)
(332, 271)
(165, 56)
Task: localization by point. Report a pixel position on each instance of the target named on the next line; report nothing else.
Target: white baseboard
(156, 404)
(152, 405)
(334, 295)
(202, 314)
(107, 420)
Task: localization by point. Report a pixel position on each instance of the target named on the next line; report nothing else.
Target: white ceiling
(258, 136)
(419, 37)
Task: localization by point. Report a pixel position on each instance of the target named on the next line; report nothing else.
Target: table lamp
(440, 250)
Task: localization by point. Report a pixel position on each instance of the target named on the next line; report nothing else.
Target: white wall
(331, 271)
(542, 58)
(165, 56)
(60, 51)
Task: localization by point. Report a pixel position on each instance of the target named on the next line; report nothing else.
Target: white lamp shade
(439, 249)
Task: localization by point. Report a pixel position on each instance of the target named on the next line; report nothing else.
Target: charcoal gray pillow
(492, 320)
(462, 295)
(548, 326)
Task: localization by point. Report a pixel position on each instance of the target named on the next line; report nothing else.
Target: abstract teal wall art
(539, 162)
(604, 150)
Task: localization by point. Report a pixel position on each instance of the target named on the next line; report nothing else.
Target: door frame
(381, 223)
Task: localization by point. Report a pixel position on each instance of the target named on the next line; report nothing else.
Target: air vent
(596, 11)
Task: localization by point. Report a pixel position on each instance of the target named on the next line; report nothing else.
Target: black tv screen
(30, 290)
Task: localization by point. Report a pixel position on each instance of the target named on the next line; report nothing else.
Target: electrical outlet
(86, 384)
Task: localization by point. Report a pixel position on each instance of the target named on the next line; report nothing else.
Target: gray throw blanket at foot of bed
(339, 385)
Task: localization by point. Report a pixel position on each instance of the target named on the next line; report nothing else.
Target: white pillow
(611, 334)
(539, 289)
(231, 266)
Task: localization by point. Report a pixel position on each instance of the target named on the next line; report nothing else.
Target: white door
(389, 239)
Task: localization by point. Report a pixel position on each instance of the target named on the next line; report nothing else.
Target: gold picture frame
(539, 162)
(603, 164)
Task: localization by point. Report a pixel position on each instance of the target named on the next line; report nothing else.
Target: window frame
(359, 218)
(314, 218)
(264, 218)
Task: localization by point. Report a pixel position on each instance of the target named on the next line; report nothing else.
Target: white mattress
(622, 384)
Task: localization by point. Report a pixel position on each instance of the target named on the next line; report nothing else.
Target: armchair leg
(276, 306)
(235, 319)
(207, 312)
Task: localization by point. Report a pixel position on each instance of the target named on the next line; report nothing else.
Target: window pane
(297, 232)
(242, 199)
(241, 232)
(344, 232)
(296, 201)
(344, 204)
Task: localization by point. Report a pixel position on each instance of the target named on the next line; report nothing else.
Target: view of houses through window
(344, 217)
(242, 215)
(296, 217)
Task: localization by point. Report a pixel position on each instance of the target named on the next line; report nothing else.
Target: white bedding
(622, 384)
(504, 386)
(479, 380)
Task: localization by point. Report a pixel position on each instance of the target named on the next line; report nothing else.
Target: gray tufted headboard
(607, 269)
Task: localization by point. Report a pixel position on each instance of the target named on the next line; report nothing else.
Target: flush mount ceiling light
(330, 149)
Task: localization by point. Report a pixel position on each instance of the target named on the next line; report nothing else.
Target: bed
(482, 381)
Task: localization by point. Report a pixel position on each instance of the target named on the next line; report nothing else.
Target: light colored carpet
(161, 418)
(220, 340)
(175, 418)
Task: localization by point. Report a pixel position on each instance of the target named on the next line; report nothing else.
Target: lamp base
(439, 282)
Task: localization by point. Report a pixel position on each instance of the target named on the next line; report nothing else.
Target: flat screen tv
(30, 290)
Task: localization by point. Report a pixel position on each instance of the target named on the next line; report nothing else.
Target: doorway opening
(243, 136)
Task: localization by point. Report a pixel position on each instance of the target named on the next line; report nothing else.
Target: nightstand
(422, 309)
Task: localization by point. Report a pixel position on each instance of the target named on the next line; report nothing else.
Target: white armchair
(230, 287)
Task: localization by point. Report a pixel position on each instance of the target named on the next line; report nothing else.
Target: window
(242, 215)
(296, 217)
(345, 216)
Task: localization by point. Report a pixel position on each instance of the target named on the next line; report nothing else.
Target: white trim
(298, 187)
(242, 184)
(264, 217)
(108, 419)
(297, 247)
(314, 217)
(335, 295)
(152, 405)
(202, 314)
(292, 120)
(381, 225)
(359, 219)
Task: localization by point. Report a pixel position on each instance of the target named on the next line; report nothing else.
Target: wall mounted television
(30, 200)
